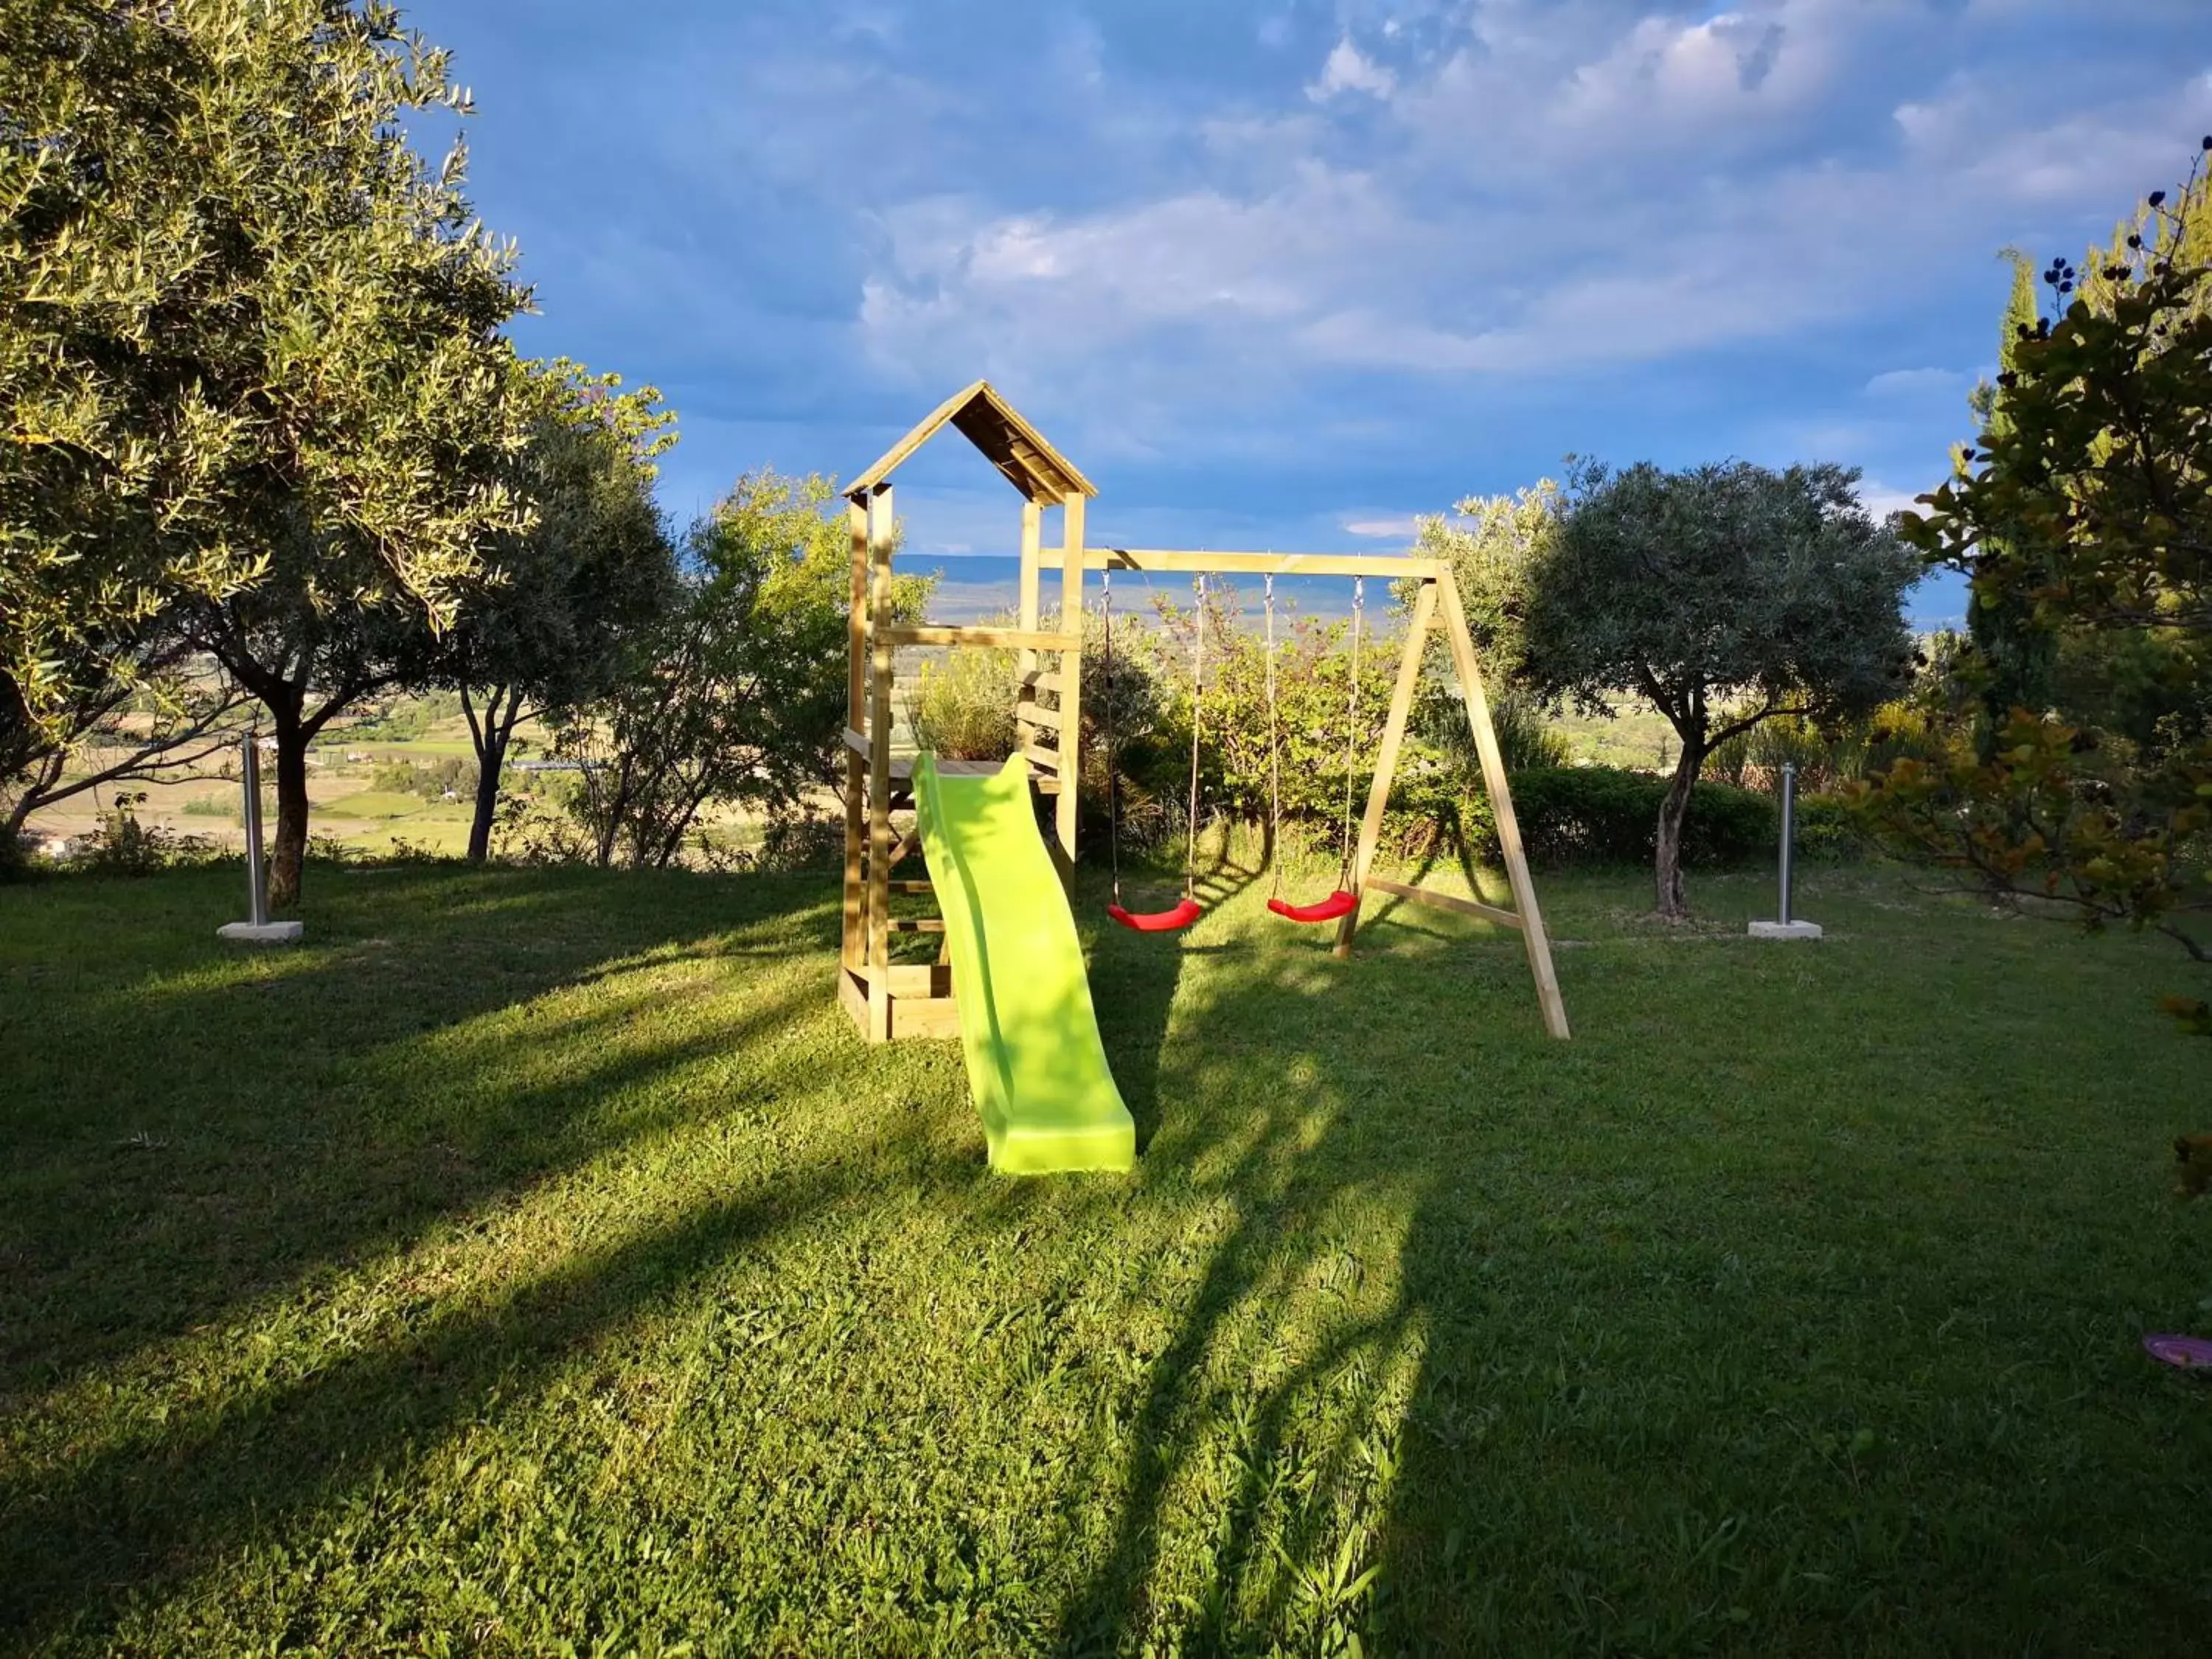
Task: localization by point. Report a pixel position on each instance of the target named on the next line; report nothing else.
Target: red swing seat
(1156, 921)
(1337, 904)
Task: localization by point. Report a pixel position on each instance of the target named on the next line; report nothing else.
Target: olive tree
(566, 602)
(250, 360)
(1724, 595)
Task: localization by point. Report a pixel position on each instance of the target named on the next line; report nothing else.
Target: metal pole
(1789, 830)
(257, 889)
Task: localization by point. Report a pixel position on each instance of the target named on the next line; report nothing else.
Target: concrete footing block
(1785, 930)
(269, 933)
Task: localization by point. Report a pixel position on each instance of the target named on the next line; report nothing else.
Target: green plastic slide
(1027, 1026)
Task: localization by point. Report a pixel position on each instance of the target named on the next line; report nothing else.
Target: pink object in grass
(2190, 1352)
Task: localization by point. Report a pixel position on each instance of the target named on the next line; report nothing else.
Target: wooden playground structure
(891, 1000)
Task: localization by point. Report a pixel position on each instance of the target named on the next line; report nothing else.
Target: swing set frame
(887, 1000)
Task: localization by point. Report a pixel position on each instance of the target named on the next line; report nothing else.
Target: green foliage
(1310, 747)
(120, 845)
(1492, 547)
(248, 336)
(557, 617)
(448, 775)
(961, 705)
(1725, 595)
(2084, 508)
(1526, 737)
(738, 693)
(404, 719)
(1571, 815)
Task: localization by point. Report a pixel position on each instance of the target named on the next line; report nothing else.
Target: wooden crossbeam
(1036, 714)
(1444, 902)
(1182, 561)
(1026, 639)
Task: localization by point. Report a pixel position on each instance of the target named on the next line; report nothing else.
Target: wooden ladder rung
(915, 924)
(1037, 714)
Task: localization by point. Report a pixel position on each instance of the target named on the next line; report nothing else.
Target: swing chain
(1197, 687)
(1352, 730)
(1274, 757)
(1113, 749)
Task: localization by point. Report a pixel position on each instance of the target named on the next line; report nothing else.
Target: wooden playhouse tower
(889, 1001)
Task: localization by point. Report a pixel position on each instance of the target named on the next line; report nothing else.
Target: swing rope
(1274, 759)
(1343, 901)
(1113, 747)
(1352, 728)
(1197, 689)
(1160, 921)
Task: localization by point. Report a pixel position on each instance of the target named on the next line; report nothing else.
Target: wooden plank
(918, 980)
(1037, 714)
(1445, 902)
(1048, 758)
(917, 924)
(879, 762)
(1007, 440)
(1031, 639)
(1532, 936)
(924, 1019)
(852, 936)
(1071, 507)
(1025, 613)
(853, 997)
(1386, 758)
(1178, 561)
(913, 886)
(1042, 683)
(855, 742)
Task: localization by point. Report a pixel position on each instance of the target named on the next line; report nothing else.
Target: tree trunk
(1674, 807)
(491, 733)
(289, 852)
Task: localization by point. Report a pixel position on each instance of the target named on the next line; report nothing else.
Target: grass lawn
(538, 1258)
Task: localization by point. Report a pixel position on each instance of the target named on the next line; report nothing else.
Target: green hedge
(1606, 814)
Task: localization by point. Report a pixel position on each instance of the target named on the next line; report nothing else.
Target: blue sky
(1285, 275)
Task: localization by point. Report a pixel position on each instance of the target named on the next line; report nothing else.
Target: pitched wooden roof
(1010, 443)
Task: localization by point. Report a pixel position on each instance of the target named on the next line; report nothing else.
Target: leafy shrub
(119, 845)
(1827, 832)
(962, 705)
(797, 842)
(448, 774)
(1606, 814)
(1525, 737)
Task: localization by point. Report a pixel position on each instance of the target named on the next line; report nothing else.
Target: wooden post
(1032, 536)
(1071, 681)
(1386, 761)
(854, 949)
(879, 732)
(1501, 809)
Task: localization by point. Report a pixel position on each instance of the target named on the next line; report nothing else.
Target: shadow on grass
(1667, 1361)
(295, 1112)
(83, 1547)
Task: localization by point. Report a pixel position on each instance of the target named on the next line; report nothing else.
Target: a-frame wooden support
(1440, 593)
(1436, 604)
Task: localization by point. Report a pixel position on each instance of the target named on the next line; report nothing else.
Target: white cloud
(1880, 500)
(1401, 527)
(1915, 382)
(1350, 70)
(1555, 188)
